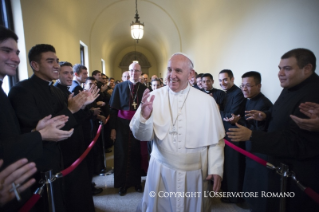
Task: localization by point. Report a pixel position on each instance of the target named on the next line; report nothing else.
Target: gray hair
(191, 64)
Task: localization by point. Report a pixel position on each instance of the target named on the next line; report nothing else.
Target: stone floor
(109, 200)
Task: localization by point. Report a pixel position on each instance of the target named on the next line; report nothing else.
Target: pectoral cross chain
(174, 133)
(134, 105)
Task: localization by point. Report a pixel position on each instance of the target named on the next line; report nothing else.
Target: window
(103, 66)
(84, 55)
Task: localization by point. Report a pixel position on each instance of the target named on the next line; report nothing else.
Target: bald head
(125, 76)
(135, 72)
(145, 76)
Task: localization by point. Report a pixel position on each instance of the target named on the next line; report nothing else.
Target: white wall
(241, 35)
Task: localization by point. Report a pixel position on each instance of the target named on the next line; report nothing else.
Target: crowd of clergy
(51, 118)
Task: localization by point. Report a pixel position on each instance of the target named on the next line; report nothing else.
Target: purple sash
(126, 114)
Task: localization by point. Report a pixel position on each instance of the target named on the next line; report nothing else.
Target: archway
(140, 57)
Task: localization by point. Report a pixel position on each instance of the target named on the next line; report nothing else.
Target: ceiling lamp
(137, 28)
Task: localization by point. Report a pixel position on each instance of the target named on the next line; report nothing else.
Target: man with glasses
(256, 176)
(284, 140)
(124, 102)
(234, 165)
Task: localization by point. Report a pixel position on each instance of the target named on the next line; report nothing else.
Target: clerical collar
(41, 81)
(181, 91)
(208, 91)
(59, 82)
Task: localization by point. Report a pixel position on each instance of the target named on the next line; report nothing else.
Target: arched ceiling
(110, 30)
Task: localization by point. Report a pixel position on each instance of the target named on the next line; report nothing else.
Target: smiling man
(256, 176)
(185, 157)
(284, 141)
(35, 98)
(207, 84)
(234, 166)
(125, 100)
(80, 75)
(13, 144)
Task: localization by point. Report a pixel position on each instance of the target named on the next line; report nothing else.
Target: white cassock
(180, 163)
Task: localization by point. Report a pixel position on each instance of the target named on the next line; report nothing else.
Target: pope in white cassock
(188, 147)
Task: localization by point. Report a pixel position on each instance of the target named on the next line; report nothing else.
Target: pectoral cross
(174, 133)
(14, 189)
(134, 105)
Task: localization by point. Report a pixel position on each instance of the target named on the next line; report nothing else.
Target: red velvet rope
(311, 193)
(248, 154)
(35, 197)
(31, 202)
(84, 154)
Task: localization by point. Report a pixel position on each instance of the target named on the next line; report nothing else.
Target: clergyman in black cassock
(218, 95)
(127, 152)
(285, 142)
(288, 144)
(40, 98)
(77, 183)
(234, 163)
(256, 175)
(14, 145)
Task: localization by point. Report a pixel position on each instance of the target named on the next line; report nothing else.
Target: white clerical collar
(181, 91)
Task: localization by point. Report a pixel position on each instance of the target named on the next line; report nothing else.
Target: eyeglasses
(242, 86)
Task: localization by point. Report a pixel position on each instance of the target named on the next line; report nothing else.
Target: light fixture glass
(137, 28)
(137, 31)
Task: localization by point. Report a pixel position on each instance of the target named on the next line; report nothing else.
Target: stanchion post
(284, 173)
(103, 147)
(47, 176)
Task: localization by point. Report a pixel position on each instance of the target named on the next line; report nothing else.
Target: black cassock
(256, 175)
(285, 142)
(14, 145)
(77, 183)
(234, 163)
(127, 151)
(33, 99)
(218, 95)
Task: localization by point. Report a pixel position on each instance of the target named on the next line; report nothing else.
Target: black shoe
(139, 188)
(122, 191)
(96, 191)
